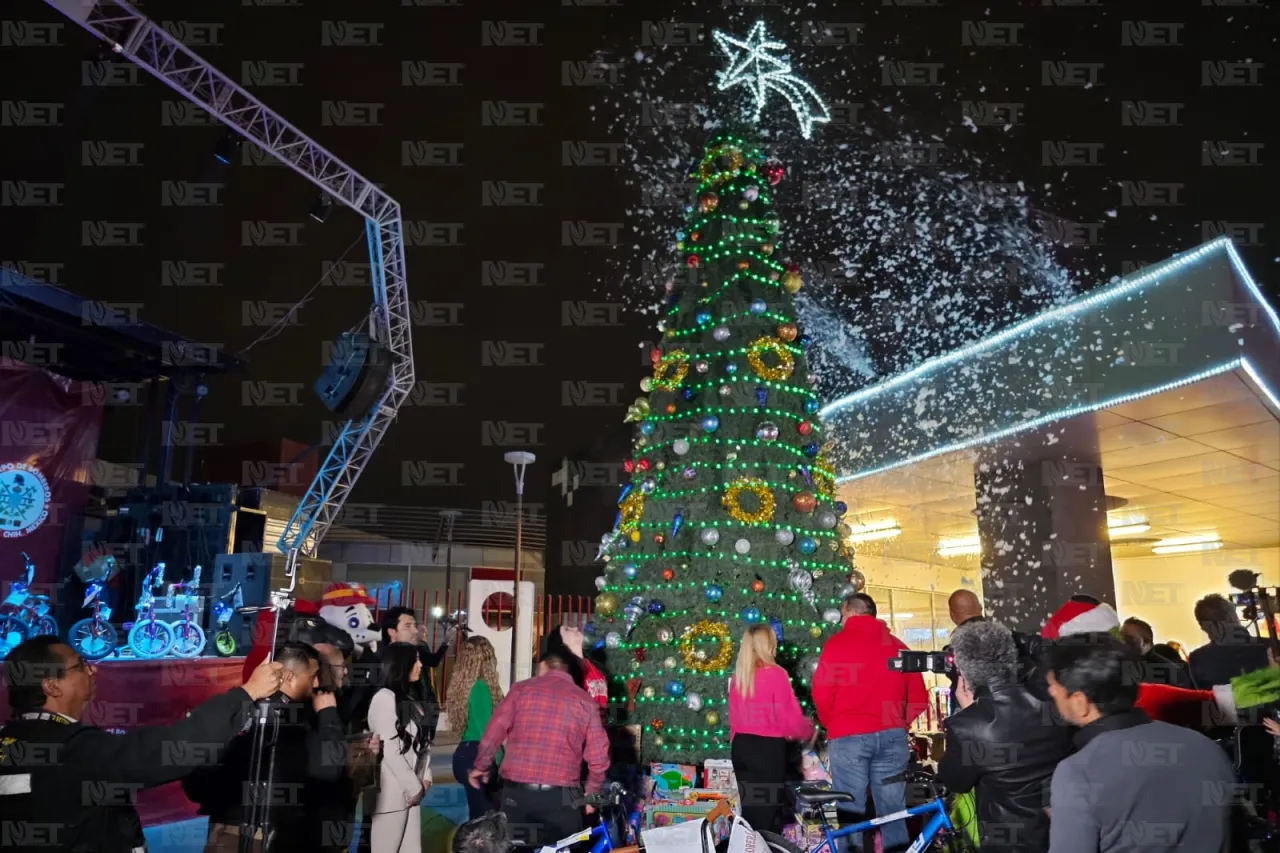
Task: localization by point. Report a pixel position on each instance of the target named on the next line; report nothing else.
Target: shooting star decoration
(761, 65)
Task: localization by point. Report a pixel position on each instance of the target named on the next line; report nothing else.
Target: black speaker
(356, 376)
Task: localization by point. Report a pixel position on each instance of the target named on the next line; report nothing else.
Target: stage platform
(134, 693)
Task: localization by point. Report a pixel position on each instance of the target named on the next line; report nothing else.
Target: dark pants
(760, 763)
(536, 818)
(479, 800)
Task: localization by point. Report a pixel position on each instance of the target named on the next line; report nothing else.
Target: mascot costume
(342, 617)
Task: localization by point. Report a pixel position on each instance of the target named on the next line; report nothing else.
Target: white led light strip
(752, 65)
(1240, 363)
(1109, 294)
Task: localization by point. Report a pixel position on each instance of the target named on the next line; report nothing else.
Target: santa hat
(1080, 617)
(345, 595)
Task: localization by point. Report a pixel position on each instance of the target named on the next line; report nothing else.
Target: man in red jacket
(866, 709)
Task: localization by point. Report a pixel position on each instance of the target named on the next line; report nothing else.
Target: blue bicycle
(937, 829)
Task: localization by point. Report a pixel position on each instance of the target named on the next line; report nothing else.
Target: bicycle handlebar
(610, 796)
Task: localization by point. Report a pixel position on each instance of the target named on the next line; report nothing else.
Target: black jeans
(479, 800)
(536, 818)
(760, 763)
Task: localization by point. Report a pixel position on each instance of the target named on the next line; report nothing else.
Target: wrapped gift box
(672, 777)
(806, 836)
(717, 812)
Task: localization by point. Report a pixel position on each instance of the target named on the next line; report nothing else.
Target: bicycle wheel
(45, 626)
(12, 631)
(150, 639)
(778, 844)
(225, 643)
(188, 639)
(92, 639)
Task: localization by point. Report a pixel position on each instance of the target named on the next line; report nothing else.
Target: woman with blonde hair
(473, 694)
(763, 715)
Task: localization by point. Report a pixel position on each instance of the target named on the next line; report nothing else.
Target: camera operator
(1231, 649)
(61, 778)
(308, 746)
(1003, 744)
(965, 609)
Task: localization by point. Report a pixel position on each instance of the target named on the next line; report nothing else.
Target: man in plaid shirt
(549, 726)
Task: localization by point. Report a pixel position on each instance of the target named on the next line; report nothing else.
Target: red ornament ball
(657, 725)
(695, 236)
(643, 464)
(757, 585)
(791, 266)
(659, 538)
(707, 202)
(655, 355)
(671, 408)
(693, 261)
(742, 265)
(773, 172)
(640, 655)
(804, 502)
(668, 574)
(628, 465)
(787, 331)
(804, 427)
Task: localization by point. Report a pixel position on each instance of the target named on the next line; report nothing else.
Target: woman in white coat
(396, 715)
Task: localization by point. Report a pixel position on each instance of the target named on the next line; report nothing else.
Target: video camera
(940, 663)
(1256, 602)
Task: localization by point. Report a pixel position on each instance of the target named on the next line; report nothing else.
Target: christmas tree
(729, 518)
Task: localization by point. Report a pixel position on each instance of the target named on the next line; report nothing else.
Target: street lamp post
(519, 461)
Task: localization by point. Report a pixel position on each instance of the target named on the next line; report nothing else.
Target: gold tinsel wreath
(632, 508)
(755, 357)
(732, 501)
(706, 629)
(709, 171)
(670, 371)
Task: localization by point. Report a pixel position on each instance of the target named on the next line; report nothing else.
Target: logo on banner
(24, 499)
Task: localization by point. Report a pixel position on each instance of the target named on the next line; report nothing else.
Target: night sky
(572, 348)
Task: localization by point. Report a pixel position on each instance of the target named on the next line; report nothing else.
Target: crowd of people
(1086, 738)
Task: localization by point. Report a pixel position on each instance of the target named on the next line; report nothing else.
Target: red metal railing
(549, 612)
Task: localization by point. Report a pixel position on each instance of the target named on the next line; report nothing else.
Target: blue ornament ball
(807, 545)
(687, 393)
(710, 423)
(811, 450)
(702, 318)
(656, 607)
(759, 306)
(810, 406)
(675, 688)
(647, 428)
(629, 571)
(679, 235)
(713, 593)
(806, 341)
(751, 614)
(841, 507)
(731, 368)
(589, 628)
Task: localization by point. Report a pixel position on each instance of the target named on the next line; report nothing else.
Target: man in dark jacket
(1134, 785)
(1155, 668)
(1231, 650)
(1003, 744)
(309, 747)
(66, 786)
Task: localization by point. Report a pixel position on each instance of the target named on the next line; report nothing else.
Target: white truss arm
(134, 36)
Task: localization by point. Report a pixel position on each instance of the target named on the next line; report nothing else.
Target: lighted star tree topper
(763, 65)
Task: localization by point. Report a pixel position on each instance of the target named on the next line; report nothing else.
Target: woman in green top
(473, 694)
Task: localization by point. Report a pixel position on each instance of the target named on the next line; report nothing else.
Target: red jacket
(854, 691)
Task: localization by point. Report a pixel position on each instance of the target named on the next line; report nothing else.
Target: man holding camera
(1003, 744)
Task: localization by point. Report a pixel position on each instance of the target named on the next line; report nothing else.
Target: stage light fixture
(321, 206)
(228, 145)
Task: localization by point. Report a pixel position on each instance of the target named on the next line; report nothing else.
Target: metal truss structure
(133, 36)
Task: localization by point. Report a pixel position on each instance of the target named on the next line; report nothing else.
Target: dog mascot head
(347, 606)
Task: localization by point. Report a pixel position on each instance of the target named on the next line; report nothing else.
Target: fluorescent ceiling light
(1128, 529)
(884, 529)
(959, 547)
(1188, 544)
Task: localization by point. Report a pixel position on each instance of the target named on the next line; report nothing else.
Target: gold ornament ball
(634, 536)
(670, 663)
(788, 331)
(744, 204)
(606, 604)
(648, 692)
(659, 465)
(646, 384)
(635, 665)
(658, 741)
(815, 631)
(712, 718)
(791, 282)
(767, 248)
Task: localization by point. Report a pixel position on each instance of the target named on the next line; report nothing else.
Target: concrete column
(1042, 519)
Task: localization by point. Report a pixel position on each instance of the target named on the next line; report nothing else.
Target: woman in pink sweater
(763, 715)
